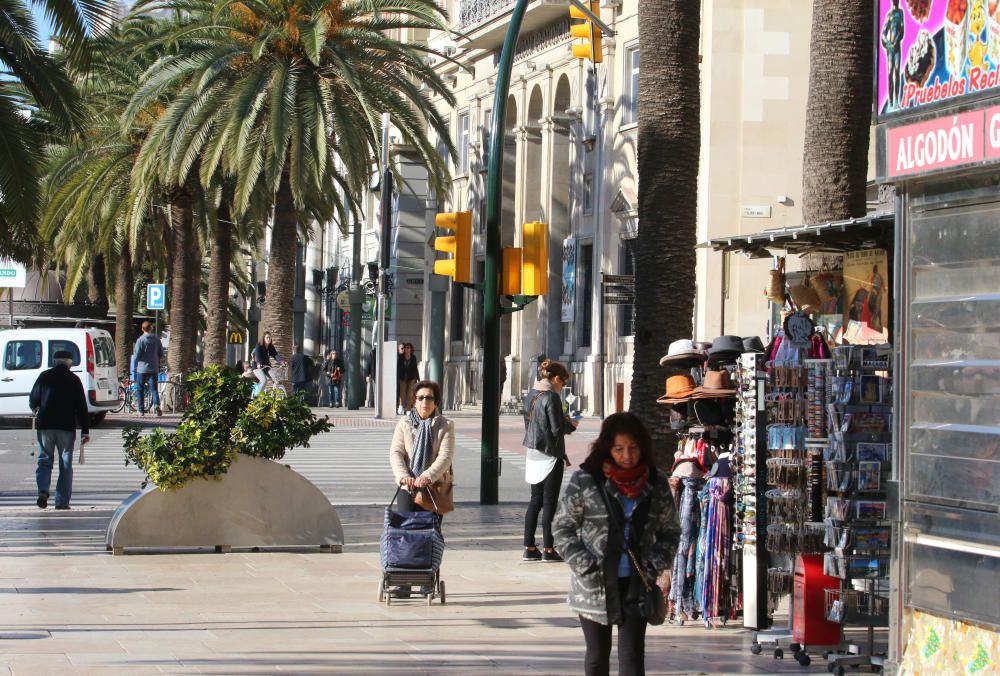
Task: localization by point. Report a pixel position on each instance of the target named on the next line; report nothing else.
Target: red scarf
(629, 482)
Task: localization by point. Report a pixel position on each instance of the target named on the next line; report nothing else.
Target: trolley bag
(411, 540)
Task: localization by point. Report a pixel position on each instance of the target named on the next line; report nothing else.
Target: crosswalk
(350, 465)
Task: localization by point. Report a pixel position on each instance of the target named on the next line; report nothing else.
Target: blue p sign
(156, 296)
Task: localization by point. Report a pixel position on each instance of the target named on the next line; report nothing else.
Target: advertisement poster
(569, 280)
(931, 51)
(866, 292)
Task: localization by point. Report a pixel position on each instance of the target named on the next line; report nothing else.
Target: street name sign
(618, 280)
(156, 296)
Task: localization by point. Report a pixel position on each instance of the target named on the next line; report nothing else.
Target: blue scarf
(423, 444)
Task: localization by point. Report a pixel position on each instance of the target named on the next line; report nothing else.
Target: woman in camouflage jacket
(605, 589)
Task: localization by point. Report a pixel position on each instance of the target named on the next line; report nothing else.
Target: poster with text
(866, 297)
(569, 280)
(931, 51)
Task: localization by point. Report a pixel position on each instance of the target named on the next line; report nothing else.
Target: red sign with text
(942, 143)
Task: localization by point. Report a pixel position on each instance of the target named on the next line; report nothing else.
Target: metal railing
(474, 12)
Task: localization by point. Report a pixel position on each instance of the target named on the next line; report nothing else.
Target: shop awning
(873, 231)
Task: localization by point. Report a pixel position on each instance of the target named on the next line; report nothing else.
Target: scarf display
(682, 583)
(714, 541)
(423, 444)
(629, 482)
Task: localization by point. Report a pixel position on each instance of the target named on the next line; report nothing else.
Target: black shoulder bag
(654, 606)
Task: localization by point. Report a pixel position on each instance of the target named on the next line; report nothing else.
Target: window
(104, 351)
(487, 126)
(23, 355)
(588, 193)
(442, 145)
(69, 346)
(626, 263)
(631, 112)
(586, 271)
(463, 143)
(457, 332)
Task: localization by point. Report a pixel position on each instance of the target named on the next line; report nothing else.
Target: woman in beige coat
(423, 445)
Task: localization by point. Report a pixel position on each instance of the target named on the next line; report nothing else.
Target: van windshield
(104, 351)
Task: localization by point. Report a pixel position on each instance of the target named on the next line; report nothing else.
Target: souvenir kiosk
(938, 144)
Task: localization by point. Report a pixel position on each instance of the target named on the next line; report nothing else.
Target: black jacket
(58, 396)
(407, 370)
(545, 424)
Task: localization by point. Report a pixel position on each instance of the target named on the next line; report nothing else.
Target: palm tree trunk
(124, 305)
(194, 301)
(669, 146)
(218, 288)
(277, 314)
(838, 115)
(182, 323)
(97, 282)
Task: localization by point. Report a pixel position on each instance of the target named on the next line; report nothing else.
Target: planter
(257, 503)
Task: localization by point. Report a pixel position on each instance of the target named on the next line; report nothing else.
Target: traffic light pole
(492, 312)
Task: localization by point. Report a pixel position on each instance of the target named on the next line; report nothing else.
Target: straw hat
(682, 354)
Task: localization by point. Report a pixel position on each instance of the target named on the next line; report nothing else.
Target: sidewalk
(68, 607)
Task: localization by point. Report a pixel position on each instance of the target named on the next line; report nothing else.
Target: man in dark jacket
(59, 405)
(302, 367)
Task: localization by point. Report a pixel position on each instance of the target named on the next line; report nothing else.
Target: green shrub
(221, 420)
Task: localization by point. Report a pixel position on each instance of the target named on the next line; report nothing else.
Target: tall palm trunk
(182, 323)
(838, 116)
(218, 288)
(277, 314)
(193, 305)
(124, 305)
(97, 283)
(669, 144)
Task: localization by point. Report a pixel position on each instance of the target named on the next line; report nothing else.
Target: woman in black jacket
(545, 426)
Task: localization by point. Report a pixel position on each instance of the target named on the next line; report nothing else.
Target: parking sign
(156, 296)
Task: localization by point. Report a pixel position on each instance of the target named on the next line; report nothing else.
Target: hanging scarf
(423, 443)
(629, 482)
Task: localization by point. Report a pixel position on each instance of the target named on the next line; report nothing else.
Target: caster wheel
(779, 654)
(441, 591)
(756, 649)
(795, 648)
(803, 659)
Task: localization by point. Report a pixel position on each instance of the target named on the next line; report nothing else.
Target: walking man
(147, 354)
(301, 371)
(59, 404)
(333, 367)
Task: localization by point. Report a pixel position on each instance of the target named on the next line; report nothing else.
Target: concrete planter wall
(258, 503)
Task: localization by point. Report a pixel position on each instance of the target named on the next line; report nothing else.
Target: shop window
(626, 313)
(586, 272)
(23, 355)
(457, 332)
(68, 346)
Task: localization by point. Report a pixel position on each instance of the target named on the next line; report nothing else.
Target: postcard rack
(857, 461)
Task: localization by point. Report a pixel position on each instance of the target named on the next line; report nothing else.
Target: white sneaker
(399, 410)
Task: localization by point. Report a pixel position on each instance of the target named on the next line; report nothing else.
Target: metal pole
(490, 465)
(356, 295)
(384, 255)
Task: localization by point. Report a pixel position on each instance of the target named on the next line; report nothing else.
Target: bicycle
(276, 381)
(127, 397)
(174, 395)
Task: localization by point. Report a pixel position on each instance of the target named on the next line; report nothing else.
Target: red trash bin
(809, 623)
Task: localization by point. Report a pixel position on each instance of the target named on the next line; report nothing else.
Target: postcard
(869, 474)
(872, 452)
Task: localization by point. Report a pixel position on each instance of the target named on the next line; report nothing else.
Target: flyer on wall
(866, 288)
(932, 51)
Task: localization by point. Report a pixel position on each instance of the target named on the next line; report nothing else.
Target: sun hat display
(752, 344)
(716, 384)
(725, 348)
(682, 353)
(678, 390)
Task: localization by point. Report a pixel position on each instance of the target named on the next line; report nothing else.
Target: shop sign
(12, 274)
(935, 52)
(945, 142)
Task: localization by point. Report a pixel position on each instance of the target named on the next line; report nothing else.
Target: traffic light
(587, 31)
(510, 273)
(459, 245)
(535, 259)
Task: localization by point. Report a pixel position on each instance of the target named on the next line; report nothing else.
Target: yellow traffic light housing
(510, 272)
(535, 259)
(459, 245)
(586, 31)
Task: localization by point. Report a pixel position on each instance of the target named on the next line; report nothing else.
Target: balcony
(484, 22)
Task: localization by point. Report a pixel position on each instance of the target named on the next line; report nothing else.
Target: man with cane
(59, 404)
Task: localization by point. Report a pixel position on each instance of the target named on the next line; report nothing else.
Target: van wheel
(97, 418)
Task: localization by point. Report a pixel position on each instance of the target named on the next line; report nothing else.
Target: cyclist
(263, 353)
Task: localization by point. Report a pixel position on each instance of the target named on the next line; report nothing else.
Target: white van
(25, 353)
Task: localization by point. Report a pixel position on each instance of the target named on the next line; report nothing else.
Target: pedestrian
(263, 353)
(59, 405)
(370, 376)
(148, 352)
(617, 499)
(300, 371)
(407, 374)
(545, 429)
(423, 444)
(333, 369)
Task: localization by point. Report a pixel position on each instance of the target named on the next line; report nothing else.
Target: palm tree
(289, 94)
(669, 32)
(37, 101)
(839, 110)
